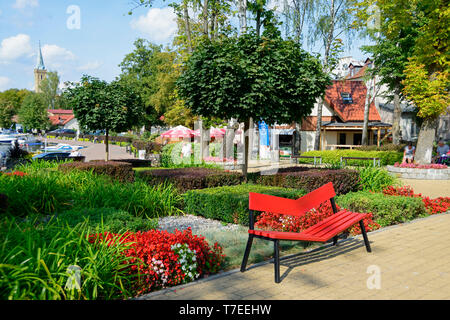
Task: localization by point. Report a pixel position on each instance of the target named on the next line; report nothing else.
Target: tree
(391, 48)
(99, 105)
(10, 103)
(33, 112)
(331, 20)
(49, 88)
(247, 77)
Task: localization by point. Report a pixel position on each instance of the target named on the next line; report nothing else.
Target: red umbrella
(178, 132)
(214, 132)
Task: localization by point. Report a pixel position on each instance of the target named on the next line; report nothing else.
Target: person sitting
(409, 153)
(441, 151)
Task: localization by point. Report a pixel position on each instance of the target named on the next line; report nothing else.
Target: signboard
(264, 134)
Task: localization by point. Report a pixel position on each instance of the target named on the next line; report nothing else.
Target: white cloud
(15, 47)
(93, 65)
(22, 4)
(4, 83)
(158, 24)
(55, 57)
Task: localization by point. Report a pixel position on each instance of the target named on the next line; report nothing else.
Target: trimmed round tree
(267, 79)
(98, 105)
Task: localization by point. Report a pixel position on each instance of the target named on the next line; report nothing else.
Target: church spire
(40, 61)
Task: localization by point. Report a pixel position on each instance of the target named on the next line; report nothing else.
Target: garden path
(408, 261)
(96, 151)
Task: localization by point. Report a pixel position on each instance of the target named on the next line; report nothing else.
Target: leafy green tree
(255, 77)
(99, 105)
(49, 88)
(10, 103)
(33, 112)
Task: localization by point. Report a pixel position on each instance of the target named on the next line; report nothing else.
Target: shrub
(148, 146)
(230, 204)
(375, 179)
(185, 179)
(110, 220)
(344, 180)
(3, 202)
(160, 259)
(334, 156)
(387, 210)
(384, 147)
(421, 166)
(48, 191)
(433, 206)
(34, 262)
(287, 223)
(120, 171)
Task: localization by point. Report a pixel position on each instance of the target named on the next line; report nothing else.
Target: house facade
(342, 119)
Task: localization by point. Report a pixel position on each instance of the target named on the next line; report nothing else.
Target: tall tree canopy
(245, 77)
(33, 112)
(99, 105)
(10, 103)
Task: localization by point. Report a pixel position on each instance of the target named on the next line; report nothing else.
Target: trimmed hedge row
(120, 171)
(230, 204)
(387, 210)
(334, 156)
(185, 179)
(344, 180)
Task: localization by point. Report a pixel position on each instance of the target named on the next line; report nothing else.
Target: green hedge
(344, 180)
(120, 171)
(109, 219)
(387, 210)
(334, 156)
(184, 179)
(230, 204)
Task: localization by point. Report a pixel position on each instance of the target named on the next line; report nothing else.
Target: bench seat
(321, 232)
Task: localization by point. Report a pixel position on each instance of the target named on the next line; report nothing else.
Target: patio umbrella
(178, 132)
(213, 132)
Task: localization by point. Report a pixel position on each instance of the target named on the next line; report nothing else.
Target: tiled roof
(60, 120)
(355, 110)
(59, 111)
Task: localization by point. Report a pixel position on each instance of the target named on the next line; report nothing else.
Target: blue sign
(264, 134)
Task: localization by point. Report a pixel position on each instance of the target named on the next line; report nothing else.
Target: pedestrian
(441, 150)
(409, 153)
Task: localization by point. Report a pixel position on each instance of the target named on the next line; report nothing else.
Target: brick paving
(412, 260)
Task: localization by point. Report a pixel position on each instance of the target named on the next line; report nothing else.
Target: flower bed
(158, 259)
(420, 166)
(286, 223)
(433, 206)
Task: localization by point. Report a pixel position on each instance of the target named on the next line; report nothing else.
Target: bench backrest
(273, 204)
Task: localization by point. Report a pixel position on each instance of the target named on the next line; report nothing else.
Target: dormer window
(346, 98)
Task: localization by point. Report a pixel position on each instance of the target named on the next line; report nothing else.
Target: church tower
(39, 72)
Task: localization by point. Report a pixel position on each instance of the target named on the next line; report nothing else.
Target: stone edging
(424, 174)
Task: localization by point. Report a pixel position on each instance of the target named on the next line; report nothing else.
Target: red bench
(323, 231)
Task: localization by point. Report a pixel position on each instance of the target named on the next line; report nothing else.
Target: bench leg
(364, 234)
(247, 252)
(335, 240)
(276, 260)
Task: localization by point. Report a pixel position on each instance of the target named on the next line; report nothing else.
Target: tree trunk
(107, 145)
(205, 18)
(246, 148)
(396, 136)
(365, 133)
(427, 135)
(319, 125)
(187, 26)
(258, 23)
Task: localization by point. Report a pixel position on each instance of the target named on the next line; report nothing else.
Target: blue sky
(105, 35)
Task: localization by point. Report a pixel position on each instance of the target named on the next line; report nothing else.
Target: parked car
(57, 156)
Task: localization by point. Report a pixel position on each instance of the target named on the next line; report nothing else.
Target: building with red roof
(64, 119)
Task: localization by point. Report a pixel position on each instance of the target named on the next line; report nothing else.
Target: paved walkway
(409, 261)
(96, 151)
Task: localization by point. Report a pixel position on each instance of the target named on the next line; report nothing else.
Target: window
(346, 98)
(357, 139)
